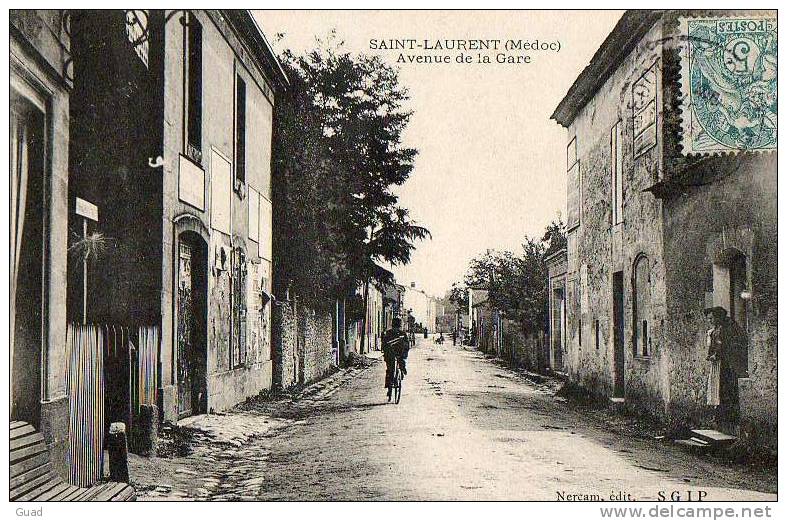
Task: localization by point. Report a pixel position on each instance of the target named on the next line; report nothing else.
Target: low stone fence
(530, 352)
(302, 344)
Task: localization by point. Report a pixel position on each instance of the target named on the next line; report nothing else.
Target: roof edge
(259, 44)
(623, 38)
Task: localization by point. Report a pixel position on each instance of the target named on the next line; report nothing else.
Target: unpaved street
(466, 429)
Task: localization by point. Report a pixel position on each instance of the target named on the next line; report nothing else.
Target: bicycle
(396, 384)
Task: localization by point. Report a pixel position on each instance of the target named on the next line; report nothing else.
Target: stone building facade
(217, 202)
(40, 87)
(656, 236)
(422, 306)
(173, 145)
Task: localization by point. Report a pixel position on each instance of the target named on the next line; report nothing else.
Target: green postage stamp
(728, 80)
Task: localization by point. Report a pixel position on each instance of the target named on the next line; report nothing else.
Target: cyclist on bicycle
(395, 347)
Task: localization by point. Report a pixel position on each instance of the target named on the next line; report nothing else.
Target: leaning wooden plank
(69, 490)
(29, 475)
(48, 495)
(28, 464)
(33, 494)
(17, 424)
(90, 493)
(24, 452)
(31, 484)
(30, 439)
(74, 493)
(109, 491)
(22, 431)
(127, 494)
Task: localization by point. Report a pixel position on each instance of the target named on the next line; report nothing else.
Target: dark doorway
(558, 328)
(192, 325)
(617, 317)
(738, 285)
(28, 235)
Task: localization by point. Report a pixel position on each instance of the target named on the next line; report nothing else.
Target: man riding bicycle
(395, 347)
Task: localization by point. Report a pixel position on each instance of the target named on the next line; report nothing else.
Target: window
(598, 335)
(571, 153)
(193, 87)
(641, 299)
(240, 131)
(616, 164)
(573, 186)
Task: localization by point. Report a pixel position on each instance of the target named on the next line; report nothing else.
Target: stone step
(693, 443)
(713, 437)
(617, 404)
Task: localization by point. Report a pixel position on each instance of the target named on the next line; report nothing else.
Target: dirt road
(466, 429)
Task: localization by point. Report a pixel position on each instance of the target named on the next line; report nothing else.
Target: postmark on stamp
(728, 81)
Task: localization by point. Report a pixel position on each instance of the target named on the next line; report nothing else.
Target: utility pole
(88, 211)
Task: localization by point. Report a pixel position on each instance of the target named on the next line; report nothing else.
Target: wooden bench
(33, 478)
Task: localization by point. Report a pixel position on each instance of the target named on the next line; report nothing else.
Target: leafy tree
(517, 283)
(555, 236)
(339, 154)
(457, 296)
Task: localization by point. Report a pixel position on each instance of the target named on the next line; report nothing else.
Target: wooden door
(185, 329)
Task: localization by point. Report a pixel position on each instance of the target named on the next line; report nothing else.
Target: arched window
(641, 300)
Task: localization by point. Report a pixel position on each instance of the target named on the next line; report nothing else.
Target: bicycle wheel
(398, 383)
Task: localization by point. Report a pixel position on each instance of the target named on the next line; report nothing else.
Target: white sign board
(220, 192)
(191, 183)
(87, 209)
(265, 246)
(254, 215)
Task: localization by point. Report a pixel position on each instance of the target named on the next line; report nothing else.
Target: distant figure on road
(395, 346)
(453, 336)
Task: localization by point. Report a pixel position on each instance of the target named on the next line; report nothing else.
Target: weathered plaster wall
(695, 209)
(221, 59)
(720, 221)
(39, 47)
(599, 247)
(712, 204)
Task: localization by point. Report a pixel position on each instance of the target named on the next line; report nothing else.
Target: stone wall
(530, 351)
(317, 344)
(599, 247)
(302, 344)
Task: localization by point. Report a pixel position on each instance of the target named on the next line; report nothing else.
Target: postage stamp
(728, 80)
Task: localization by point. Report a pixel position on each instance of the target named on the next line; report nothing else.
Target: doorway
(191, 308)
(618, 328)
(28, 249)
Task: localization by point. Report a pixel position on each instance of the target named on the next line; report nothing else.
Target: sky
(491, 163)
